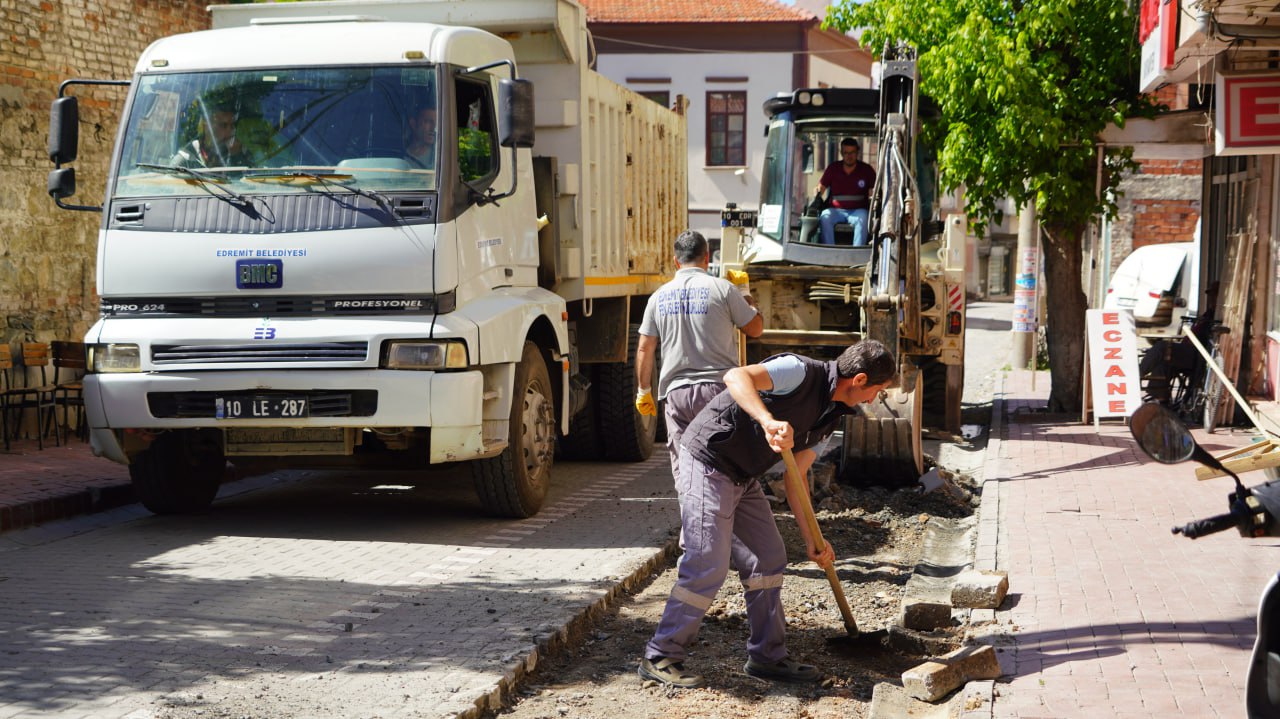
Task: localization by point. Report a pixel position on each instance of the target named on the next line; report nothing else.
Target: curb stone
(980, 700)
(569, 634)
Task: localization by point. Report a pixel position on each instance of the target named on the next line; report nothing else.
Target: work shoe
(783, 670)
(668, 671)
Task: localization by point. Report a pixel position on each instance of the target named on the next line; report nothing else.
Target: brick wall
(1160, 221)
(1159, 203)
(48, 255)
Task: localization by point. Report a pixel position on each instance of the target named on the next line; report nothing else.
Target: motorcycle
(1253, 512)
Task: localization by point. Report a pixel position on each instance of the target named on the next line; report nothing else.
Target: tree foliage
(1025, 87)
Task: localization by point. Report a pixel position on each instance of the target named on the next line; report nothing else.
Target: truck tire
(180, 472)
(631, 435)
(583, 441)
(514, 483)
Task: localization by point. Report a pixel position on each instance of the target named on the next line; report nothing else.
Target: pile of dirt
(876, 534)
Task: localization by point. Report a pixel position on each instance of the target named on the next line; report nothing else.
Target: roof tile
(692, 11)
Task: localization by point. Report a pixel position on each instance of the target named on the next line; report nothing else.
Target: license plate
(259, 407)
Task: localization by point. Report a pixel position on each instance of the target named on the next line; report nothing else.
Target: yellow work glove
(645, 404)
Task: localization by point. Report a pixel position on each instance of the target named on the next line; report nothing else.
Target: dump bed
(619, 159)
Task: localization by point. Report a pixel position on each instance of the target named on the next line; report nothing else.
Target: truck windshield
(277, 130)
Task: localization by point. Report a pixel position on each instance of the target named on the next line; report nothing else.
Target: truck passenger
(786, 401)
(850, 181)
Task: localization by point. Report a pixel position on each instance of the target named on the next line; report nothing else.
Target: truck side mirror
(64, 131)
(62, 183)
(515, 97)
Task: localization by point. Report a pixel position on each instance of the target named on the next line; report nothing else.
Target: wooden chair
(69, 390)
(13, 397)
(6, 391)
(36, 394)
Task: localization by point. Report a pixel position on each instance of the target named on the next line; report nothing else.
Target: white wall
(711, 187)
(824, 72)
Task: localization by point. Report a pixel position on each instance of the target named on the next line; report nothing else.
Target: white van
(1155, 282)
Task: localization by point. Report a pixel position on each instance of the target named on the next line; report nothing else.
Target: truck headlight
(425, 354)
(107, 358)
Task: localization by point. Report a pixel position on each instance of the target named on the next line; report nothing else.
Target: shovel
(856, 642)
(796, 488)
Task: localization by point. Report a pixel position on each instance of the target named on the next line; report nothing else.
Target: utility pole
(1027, 259)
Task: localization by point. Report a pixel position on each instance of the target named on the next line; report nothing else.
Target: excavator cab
(806, 128)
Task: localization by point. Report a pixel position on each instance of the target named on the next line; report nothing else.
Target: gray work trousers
(713, 512)
(681, 405)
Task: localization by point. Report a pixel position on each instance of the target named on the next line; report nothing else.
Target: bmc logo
(264, 333)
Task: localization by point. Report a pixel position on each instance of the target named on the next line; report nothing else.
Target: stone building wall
(48, 255)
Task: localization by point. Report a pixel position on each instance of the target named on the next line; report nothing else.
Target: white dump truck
(332, 237)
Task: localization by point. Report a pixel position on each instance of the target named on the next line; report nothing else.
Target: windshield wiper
(325, 180)
(209, 182)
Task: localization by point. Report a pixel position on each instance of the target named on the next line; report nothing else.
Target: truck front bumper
(450, 403)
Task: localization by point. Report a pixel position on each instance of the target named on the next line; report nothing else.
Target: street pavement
(1108, 613)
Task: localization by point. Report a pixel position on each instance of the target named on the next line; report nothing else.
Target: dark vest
(724, 436)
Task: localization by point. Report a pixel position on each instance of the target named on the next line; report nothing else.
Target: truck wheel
(514, 483)
(583, 441)
(631, 436)
(179, 472)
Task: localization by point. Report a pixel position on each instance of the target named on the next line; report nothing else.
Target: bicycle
(1174, 374)
(1211, 394)
(1168, 370)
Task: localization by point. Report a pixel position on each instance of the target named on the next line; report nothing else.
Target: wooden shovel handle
(796, 488)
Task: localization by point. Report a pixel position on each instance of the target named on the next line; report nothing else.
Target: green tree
(1025, 88)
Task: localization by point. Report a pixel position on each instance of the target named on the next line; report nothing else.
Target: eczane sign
(1158, 33)
(1247, 117)
(1113, 362)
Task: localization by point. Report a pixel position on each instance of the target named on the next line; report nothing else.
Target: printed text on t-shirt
(683, 301)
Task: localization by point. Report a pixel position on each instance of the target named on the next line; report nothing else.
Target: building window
(662, 97)
(726, 128)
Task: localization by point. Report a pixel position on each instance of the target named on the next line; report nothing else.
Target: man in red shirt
(850, 181)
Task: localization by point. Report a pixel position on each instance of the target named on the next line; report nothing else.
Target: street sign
(1113, 362)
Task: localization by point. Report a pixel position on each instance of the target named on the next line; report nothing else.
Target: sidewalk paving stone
(1109, 614)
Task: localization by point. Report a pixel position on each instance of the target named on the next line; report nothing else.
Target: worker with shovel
(786, 401)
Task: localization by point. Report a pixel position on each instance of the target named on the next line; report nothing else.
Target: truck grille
(270, 352)
(278, 306)
(327, 403)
